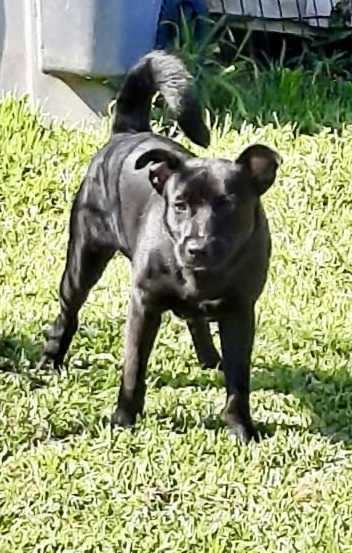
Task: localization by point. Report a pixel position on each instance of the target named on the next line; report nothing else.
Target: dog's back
(164, 73)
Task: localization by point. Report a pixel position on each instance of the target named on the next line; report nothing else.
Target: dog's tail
(165, 73)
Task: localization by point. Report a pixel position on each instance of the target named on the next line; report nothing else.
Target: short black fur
(194, 230)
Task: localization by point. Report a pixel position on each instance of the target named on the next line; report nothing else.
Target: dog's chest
(191, 308)
(193, 300)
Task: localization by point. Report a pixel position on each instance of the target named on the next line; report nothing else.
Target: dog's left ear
(164, 163)
(260, 165)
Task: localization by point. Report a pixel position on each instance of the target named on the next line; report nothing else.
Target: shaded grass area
(304, 98)
(310, 93)
(177, 482)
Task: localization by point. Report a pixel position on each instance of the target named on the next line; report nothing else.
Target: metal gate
(296, 16)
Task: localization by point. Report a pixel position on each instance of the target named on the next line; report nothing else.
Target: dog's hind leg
(207, 353)
(87, 257)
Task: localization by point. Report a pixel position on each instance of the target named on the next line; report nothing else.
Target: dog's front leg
(237, 335)
(207, 353)
(141, 329)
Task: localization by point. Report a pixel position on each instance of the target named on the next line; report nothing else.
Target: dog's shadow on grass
(327, 396)
(14, 353)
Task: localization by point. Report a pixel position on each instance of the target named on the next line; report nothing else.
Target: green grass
(310, 98)
(177, 482)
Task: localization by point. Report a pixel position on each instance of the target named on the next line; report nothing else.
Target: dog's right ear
(164, 163)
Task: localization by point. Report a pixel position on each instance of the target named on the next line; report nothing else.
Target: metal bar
(316, 13)
(279, 6)
(299, 10)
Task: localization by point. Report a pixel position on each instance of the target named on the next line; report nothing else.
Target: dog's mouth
(209, 260)
(199, 267)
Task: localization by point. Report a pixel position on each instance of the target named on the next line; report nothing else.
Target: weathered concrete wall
(20, 69)
(67, 94)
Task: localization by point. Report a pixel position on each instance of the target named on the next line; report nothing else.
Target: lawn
(177, 482)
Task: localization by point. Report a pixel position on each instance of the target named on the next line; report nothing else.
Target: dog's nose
(196, 248)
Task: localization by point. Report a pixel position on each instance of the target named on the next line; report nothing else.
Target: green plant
(270, 94)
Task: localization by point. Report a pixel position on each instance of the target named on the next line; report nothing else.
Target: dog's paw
(245, 432)
(49, 362)
(214, 362)
(122, 418)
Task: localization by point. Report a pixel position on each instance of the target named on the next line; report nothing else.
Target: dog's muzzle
(202, 253)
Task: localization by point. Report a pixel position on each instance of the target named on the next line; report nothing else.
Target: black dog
(194, 230)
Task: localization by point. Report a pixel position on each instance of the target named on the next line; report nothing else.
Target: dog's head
(210, 204)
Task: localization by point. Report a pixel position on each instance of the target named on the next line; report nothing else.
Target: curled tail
(159, 71)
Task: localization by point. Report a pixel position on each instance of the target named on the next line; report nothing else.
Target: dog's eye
(180, 206)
